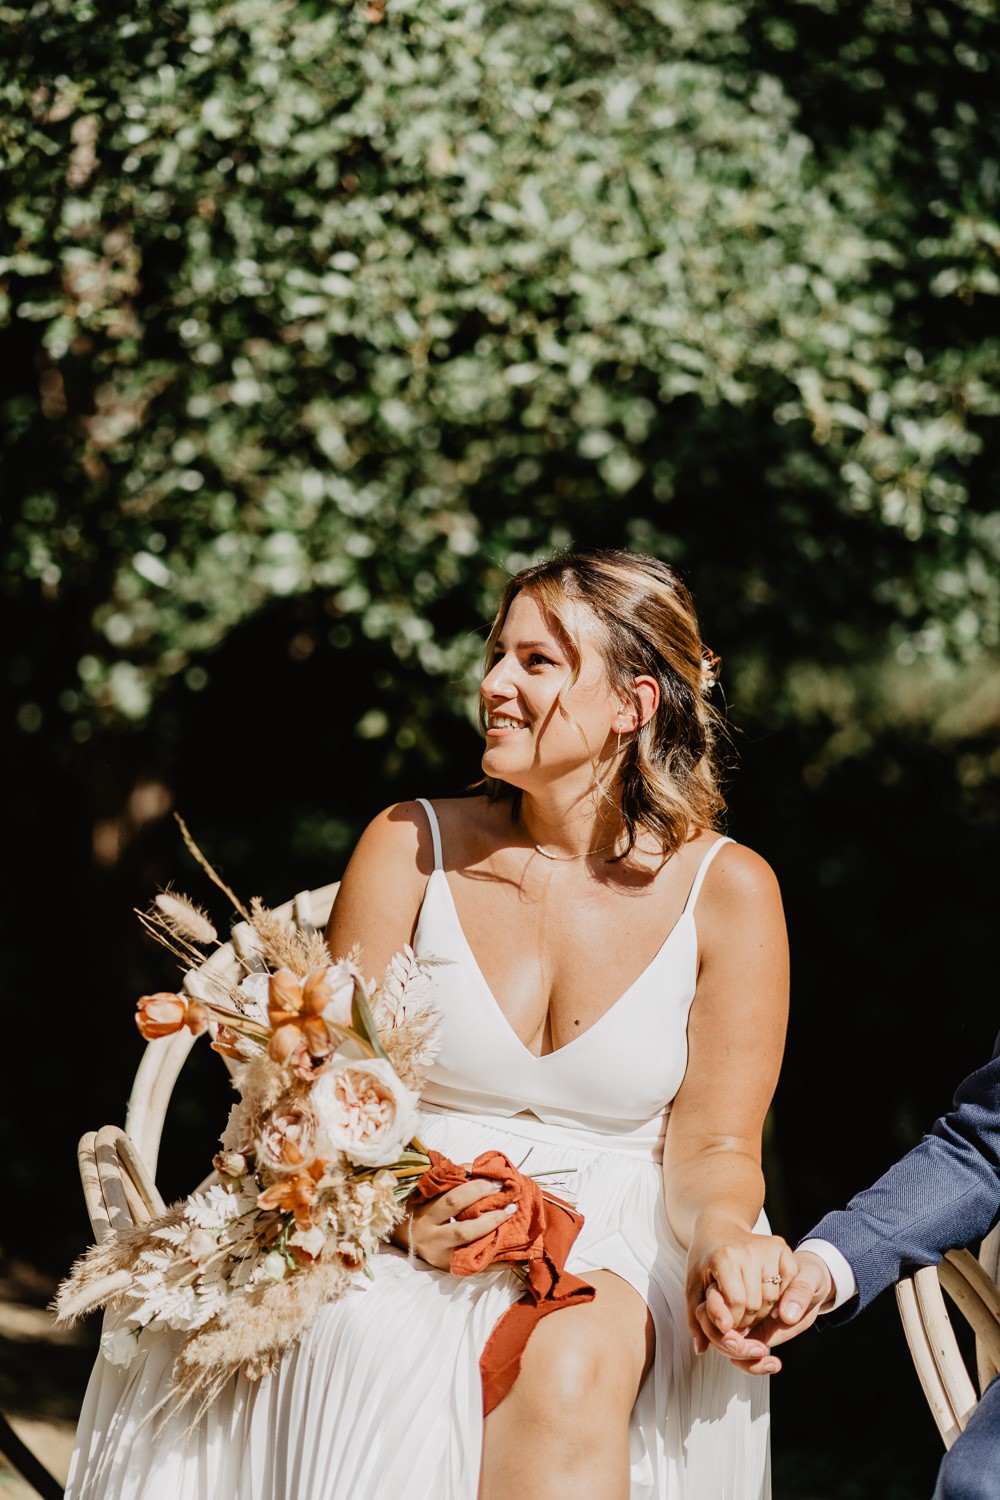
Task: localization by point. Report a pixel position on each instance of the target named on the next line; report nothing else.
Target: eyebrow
(528, 646)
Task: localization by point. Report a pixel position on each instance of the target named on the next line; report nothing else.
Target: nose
(497, 683)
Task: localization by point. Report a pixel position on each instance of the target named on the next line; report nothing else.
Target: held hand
(734, 1282)
(801, 1302)
(739, 1274)
(432, 1231)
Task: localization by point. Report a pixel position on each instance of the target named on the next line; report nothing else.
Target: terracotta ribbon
(538, 1235)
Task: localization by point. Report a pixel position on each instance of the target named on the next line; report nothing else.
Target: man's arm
(944, 1192)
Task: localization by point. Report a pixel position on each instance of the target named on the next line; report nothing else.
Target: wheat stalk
(210, 869)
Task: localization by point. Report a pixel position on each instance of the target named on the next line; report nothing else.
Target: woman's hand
(432, 1230)
(734, 1280)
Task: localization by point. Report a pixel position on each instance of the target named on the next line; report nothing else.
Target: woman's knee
(573, 1369)
(566, 1369)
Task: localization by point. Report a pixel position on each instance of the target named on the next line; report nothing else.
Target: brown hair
(646, 626)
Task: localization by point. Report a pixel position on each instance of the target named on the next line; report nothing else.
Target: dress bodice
(615, 1079)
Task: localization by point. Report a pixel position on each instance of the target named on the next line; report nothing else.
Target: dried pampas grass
(210, 869)
(282, 946)
(408, 1028)
(253, 1332)
(412, 1046)
(183, 917)
(105, 1272)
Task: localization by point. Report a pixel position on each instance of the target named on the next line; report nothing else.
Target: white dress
(381, 1399)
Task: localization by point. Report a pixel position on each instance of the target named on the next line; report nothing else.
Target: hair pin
(710, 665)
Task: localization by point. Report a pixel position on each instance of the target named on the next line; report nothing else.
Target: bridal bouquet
(316, 1161)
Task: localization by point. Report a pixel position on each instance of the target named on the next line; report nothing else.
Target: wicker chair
(972, 1286)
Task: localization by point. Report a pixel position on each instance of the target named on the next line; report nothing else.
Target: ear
(647, 693)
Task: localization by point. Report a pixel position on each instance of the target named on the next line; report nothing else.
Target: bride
(613, 1011)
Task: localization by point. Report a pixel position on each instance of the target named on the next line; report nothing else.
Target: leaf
(364, 1022)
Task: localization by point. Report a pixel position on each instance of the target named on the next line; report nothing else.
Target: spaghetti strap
(435, 831)
(703, 871)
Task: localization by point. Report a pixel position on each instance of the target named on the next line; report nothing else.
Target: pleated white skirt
(381, 1399)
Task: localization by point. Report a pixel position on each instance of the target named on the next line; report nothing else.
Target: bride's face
(529, 740)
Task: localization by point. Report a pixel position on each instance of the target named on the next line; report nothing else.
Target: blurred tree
(376, 303)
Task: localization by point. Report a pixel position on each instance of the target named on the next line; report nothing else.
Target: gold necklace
(559, 858)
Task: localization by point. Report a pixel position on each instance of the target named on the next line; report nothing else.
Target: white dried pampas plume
(185, 918)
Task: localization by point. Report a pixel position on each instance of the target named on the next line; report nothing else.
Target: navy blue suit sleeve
(945, 1192)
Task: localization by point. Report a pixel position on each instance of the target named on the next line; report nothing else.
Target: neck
(570, 826)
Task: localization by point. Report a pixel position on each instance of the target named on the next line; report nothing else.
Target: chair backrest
(118, 1189)
(164, 1058)
(971, 1286)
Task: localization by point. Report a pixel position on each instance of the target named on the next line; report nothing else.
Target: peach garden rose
(364, 1111)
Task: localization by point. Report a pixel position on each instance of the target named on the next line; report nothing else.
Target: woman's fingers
(745, 1281)
(728, 1283)
(465, 1231)
(435, 1229)
(733, 1344)
(718, 1309)
(449, 1205)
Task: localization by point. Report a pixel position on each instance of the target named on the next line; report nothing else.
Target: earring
(622, 709)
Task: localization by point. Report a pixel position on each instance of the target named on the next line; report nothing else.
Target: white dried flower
(309, 1240)
(273, 1266)
(120, 1345)
(229, 1163)
(254, 989)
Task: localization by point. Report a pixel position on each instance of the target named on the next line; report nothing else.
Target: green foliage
(378, 302)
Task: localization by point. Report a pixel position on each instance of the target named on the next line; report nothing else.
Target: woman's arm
(377, 908)
(379, 898)
(713, 1185)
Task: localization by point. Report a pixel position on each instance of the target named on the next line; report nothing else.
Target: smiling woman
(612, 1019)
(597, 622)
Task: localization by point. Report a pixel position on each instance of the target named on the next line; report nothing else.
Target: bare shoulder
(399, 835)
(740, 906)
(379, 898)
(738, 878)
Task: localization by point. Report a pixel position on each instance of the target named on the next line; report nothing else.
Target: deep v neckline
(498, 1008)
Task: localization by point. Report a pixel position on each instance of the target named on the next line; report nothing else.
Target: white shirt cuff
(844, 1285)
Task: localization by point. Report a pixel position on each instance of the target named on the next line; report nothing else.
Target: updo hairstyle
(644, 625)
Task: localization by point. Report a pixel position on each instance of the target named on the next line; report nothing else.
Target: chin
(492, 766)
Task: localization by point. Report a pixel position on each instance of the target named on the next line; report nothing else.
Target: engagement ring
(774, 1280)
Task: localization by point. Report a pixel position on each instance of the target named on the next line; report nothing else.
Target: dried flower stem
(169, 938)
(210, 870)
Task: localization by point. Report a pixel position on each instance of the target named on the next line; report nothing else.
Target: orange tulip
(227, 1043)
(162, 1014)
(295, 1010)
(196, 1019)
(295, 1195)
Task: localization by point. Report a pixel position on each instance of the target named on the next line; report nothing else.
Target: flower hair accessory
(710, 667)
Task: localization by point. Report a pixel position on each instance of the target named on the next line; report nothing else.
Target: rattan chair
(971, 1286)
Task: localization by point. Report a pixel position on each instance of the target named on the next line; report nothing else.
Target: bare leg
(561, 1432)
